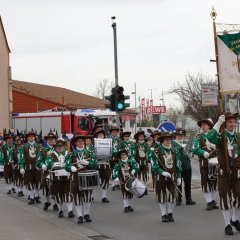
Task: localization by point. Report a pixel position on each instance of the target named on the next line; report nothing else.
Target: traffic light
(112, 104)
(120, 98)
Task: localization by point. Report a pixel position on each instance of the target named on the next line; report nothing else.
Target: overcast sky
(69, 43)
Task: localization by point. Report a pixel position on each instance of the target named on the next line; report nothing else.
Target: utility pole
(114, 26)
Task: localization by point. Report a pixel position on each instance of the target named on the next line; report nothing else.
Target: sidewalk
(19, 221)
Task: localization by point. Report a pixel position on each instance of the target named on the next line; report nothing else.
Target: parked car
(147, 130)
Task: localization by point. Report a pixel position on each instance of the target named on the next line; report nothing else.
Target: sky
(69, 43)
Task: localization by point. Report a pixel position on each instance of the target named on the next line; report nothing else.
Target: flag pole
(220, 98)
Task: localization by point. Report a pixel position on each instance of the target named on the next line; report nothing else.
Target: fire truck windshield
(83, 123)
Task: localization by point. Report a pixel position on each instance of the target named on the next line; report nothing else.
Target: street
(23, 222)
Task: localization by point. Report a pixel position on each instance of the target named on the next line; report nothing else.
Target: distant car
(147, 130)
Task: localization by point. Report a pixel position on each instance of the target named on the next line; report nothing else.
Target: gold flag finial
(213, 14)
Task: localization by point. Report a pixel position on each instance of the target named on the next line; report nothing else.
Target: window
(83, 123)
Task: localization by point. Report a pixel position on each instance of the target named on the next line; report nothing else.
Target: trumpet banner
(229, 62)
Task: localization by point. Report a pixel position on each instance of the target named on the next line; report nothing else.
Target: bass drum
(136, 187)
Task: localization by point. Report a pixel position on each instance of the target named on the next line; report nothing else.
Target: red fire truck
(80, 121)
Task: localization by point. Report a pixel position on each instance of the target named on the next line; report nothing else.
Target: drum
(212, 169)
(88, 180)
(58, 171)
(136, 187)
(103, 150)
(213, 161)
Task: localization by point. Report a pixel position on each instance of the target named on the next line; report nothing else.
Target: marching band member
(142, 154)
(80, 160)
(126, 168)
(116, 146)
(104, 171)
(60, 184)
(202, 148)
(97, 127)
(27, 164)
(89, 143)
(6, 160)
(155, 136)
(179, 145)
(127, 144)
(226, 138)
(17, 176)
(155, 144)
(50, 139)
(167, 166)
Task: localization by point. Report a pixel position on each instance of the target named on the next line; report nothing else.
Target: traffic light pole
(114, 26)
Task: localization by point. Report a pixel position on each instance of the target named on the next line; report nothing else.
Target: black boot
(60, 214)
(209, 206)
(105, 200)
(114, 188)
(9, 192)
(13, 190)
(190, 202)
(71, 214)
(236, 224)
(165, 218)
(125, 210)
(31, 201)
(37, 200)
(214, 204)
(170, 217)
(20, 194)
(87, 218)
(55, 207)
(80, 219)
(46, 205)
(130, 209)
(228, 230)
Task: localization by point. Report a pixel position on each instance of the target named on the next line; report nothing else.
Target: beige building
(5, 79)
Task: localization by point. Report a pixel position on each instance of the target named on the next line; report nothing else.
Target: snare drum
(88, 180)
(58, 171)
(103, 150)
(135, 186)
(213, 161)
(212, 169)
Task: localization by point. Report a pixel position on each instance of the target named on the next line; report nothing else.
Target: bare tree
(190, 95)
(103, 87)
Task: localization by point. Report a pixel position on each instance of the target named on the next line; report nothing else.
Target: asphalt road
(109, 221)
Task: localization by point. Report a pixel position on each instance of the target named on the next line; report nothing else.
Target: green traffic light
(120, 106)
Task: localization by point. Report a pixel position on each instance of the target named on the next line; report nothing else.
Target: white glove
(22, 171)
(219, 123)
(179, 181)
(166, 174)
(206, 154)
(44, 167)
(84, 162)
(133, 172)
(73, 169)
(116, 180)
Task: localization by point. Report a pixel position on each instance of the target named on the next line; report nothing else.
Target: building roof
(60, 95)
(4, 34)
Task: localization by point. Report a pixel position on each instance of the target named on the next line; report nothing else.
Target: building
(5, 80)
(32, 97)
